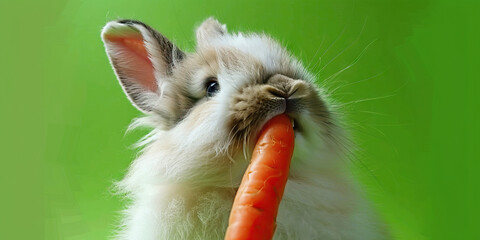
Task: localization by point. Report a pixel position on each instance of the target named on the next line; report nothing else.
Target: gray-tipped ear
(209, 30)
(142, 59)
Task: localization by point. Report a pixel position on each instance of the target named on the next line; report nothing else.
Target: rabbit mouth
(295, 125)
(250, 112)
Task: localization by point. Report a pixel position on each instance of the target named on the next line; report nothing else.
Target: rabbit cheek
(318, 110)
(200, 115)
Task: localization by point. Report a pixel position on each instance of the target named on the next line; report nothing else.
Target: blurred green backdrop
(411, 99)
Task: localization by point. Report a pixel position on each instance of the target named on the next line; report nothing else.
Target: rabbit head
(208, 106)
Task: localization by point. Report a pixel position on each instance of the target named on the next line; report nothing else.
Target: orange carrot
(256, 204)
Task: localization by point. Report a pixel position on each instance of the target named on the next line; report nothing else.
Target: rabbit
(206, 109)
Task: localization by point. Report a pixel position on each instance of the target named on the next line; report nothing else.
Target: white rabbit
(206, 109)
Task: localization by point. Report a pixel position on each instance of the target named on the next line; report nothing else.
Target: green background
(411, 98)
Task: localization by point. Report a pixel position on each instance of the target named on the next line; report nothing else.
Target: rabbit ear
(142, 59)
(209, 30)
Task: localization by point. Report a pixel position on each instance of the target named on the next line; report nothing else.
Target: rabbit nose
(288, 88)
(278, 92)
(280, 82)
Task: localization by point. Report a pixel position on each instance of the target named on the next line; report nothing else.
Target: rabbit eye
(212, 87)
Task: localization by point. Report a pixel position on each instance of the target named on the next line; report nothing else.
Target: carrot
(256, 204)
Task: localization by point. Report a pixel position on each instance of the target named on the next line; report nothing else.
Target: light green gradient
(411, 99)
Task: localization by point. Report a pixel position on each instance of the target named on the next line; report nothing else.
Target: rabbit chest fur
(206, 109)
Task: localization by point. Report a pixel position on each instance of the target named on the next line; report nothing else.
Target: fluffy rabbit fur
(206, 109)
